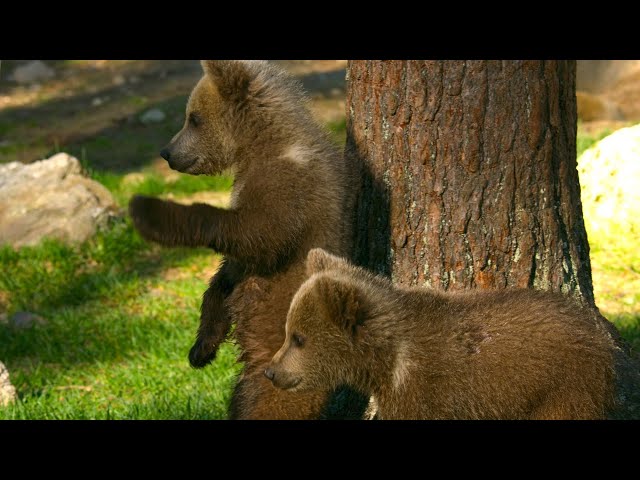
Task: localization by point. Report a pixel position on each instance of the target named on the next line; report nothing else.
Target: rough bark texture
(470, 176)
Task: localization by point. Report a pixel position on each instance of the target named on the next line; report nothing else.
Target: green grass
(152, 183)
(5, 127)
(615, 262)
(117, 334)
(121, 316)
(338, 130)
(615, 265)
(585, 141)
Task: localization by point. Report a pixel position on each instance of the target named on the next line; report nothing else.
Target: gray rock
(96, 102)
(155, 115)
(32, 72)
(7, 391)
(51, 198)
(119, 80)
(24, 320)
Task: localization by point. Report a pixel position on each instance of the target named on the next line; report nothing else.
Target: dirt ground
(614, 84)
(92, 108)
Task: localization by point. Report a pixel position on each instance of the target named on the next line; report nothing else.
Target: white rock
(610, 181)
(96, 102)
(155, 115)
(32, 72)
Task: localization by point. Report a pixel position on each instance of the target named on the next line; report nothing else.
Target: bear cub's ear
(319, 260)
(231, 77)
(343, 304)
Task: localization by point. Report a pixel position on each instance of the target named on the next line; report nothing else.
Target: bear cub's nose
(165, 153)
(269, 373)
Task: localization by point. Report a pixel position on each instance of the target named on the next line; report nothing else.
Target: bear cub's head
(216, 112)
(323, 329)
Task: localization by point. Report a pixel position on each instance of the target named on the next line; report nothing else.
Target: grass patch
(138, 101)
(117, 334)
(53, 274)
(615, 266)
(585, 141)
(154, 184)
(187, 184)
(5, 127)
(629, 326)
(615, 261)
(338, 131)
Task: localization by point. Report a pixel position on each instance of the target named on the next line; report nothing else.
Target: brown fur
(422, 354)
(292, 192)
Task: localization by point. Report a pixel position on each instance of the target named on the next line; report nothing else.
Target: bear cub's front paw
(147, 216)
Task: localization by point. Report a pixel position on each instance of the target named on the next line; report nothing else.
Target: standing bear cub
(423, 354)
(293, 190)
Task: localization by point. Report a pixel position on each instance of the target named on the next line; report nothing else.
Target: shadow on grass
(84, 292)
(110, 137)
(327, 84)
(130, 145)
(125, 145)
(84, 113)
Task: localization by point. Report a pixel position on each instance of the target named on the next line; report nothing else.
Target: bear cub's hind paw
(203, 352)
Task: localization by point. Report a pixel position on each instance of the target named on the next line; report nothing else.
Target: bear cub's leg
(172, 224)
(215, 320)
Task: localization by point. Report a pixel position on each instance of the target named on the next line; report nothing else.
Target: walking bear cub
(293, 190)
(423, 354)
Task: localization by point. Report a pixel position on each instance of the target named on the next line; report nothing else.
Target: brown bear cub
(423, 354)
(293, 191)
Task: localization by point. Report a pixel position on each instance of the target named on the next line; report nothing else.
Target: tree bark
(469, 174)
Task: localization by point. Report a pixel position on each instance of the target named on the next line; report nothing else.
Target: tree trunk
(469, 174)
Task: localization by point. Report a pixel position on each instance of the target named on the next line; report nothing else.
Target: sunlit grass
(117, 334)
(615, 262)
(154, 184)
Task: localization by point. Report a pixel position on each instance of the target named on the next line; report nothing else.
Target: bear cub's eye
(194, 120)
(298, 339)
